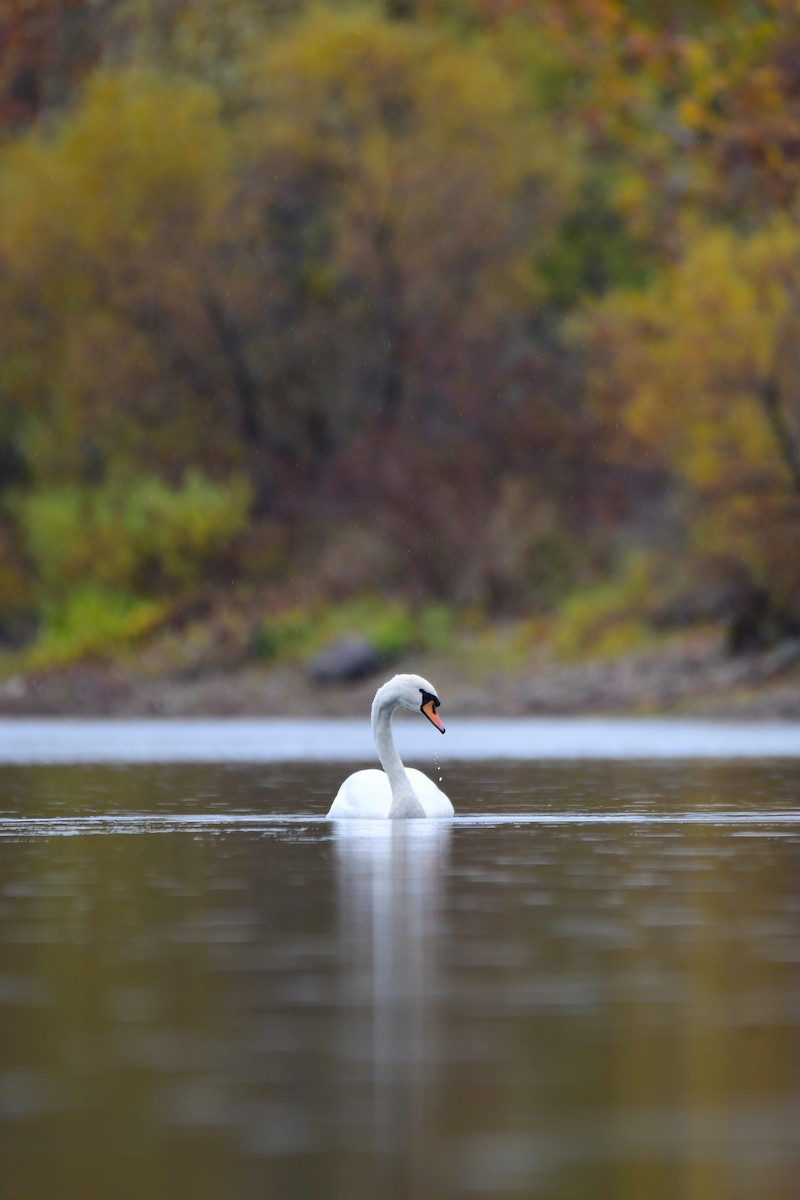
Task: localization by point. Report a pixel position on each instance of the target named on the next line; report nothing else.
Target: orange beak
(430, 712)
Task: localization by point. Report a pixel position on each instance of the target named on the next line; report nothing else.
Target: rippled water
(586, 985)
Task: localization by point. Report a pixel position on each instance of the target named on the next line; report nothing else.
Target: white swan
(399, 792)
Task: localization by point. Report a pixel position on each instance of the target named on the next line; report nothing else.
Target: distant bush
(392, 627)
(16, 601)
(140, 538)
(91, 620)
(609, 617)
(282, 634)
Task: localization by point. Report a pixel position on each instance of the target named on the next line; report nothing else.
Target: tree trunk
(771, 402)
(245, 385)
(401, 10)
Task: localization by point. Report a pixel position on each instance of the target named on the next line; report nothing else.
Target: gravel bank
(687, 675)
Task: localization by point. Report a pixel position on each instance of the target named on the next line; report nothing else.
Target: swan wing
(365, 794)
(432, 798)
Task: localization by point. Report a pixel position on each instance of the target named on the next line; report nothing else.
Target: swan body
(396, 791)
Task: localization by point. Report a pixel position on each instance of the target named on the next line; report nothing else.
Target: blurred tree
(409, 189)
(332, 288)
(105, 228)
(209, 40)
(702, 370)
(333, 248)
(745, 114)
(47, 47)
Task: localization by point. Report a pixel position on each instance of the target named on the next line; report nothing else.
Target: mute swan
(399, 792)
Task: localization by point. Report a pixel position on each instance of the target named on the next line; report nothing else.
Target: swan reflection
(390, 879)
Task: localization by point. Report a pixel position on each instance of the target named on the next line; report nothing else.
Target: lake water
(586, 985)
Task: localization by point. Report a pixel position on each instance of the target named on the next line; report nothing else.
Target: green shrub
(141, 538)
(282, 634)
(181, 532)
(393, 628)
(609, 617)
(435, 626)
(16, 598)
(92, 620)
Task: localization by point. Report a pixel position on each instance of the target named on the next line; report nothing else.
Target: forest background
(424, 318)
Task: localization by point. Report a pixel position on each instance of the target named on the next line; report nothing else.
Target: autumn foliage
(457, 300)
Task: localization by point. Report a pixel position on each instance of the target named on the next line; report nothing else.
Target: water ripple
(123, 823)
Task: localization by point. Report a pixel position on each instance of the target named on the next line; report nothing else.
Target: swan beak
(430, 712)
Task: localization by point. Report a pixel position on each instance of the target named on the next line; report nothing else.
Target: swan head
(412, 692)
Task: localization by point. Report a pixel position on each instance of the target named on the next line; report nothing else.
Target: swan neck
(405, 802)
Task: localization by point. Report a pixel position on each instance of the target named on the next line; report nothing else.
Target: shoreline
(687, 675)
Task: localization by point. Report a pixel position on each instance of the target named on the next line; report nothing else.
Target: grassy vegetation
(140, 536)
(233, 628)
(92, 622)
(113, 563)
(609, 617)
(393, 628)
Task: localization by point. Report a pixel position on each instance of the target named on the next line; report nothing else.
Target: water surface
(588, 984)
(58, 740)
